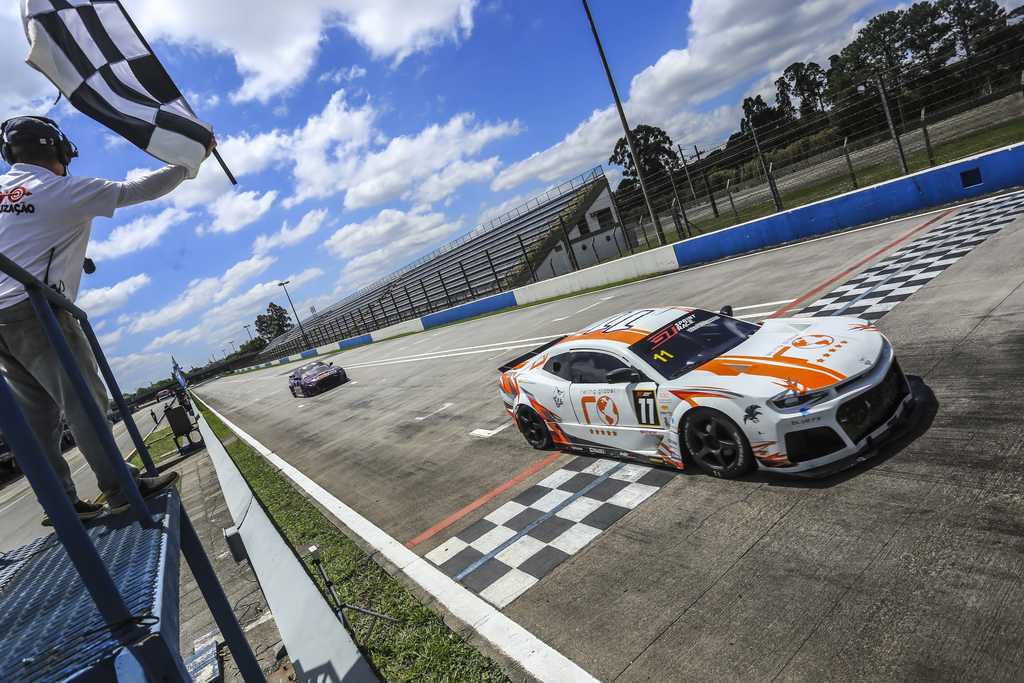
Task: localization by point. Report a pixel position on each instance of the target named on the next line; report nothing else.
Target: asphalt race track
(906, 567)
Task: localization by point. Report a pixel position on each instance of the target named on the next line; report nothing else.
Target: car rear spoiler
(528, 355)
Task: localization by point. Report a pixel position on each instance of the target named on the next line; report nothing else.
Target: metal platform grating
(50, 629)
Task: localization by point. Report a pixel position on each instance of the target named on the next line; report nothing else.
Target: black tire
(533, 429)
(716, 444)
(296, 392)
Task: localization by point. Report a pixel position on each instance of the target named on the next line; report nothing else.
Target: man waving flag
(93, 52)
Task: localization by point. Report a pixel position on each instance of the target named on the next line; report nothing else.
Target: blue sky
(365, 134)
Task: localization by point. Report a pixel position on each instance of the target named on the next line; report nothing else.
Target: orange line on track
(832, 280)
(482, 500)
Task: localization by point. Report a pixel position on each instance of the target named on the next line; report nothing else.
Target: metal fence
(95, 574)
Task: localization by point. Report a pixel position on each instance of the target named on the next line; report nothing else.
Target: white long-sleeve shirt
(45, 220)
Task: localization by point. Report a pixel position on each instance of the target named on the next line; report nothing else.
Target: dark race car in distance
(313, 378)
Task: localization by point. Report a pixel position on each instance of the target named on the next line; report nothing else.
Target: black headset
(66, 150)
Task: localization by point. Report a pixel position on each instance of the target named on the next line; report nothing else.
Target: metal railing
(45, 483)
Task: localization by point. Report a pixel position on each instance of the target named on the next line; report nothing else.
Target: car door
(619, 415)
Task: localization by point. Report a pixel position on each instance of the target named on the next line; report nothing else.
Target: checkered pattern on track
(876, 291)
(511, 549)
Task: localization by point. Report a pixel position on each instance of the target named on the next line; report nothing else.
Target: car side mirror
(623, 376)
(726, 310)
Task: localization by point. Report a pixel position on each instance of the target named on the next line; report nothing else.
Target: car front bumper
(846, 429)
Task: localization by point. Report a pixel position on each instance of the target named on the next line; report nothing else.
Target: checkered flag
(93, 52)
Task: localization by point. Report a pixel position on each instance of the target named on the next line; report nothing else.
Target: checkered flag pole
(95, 55)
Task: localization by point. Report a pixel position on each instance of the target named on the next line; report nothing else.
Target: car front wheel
(533, 428)
(716, 444)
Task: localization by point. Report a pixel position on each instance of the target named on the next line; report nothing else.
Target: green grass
(161, 446)
(420, 647)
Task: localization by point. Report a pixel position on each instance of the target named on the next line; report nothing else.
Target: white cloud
(102, 300)
(380, 244)
(257, 297)
(199, 293)
(202, 102)
(111, 141)
(26, 91)
(342, 74)
(288, 236)
(407, 161)
(333, 152)
(729, 43)
(136, 369)
(324, 150)
(276, 44)
(111, 338)
(141, 233)
(443, 183)
(232, 211)
(245, 154)
(176, 337)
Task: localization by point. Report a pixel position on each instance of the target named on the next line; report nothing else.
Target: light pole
(302, 330)
(248, 331)
(625, 126)
(232, 342)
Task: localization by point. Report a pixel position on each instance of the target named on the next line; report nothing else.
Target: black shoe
(148, 487)
(85, 510)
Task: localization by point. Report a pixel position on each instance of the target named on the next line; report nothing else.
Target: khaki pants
(43, 390)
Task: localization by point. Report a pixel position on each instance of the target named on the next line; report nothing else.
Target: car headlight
(788, 400)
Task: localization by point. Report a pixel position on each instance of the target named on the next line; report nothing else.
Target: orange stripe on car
(627, 337)
(796, 370)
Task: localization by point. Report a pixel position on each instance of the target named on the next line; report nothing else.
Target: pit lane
(906, 567)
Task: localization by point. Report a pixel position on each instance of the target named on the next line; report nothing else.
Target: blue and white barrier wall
(964, 179)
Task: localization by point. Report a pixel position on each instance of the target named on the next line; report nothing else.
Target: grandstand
(569, 226)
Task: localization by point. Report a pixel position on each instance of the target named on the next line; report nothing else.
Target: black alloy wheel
(533, 428)
(716, 444)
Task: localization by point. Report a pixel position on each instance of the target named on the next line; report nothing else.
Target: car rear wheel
(716, 444)
(533, 428)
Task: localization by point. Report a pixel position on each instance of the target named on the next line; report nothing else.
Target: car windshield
(312, 369)
(691, 340)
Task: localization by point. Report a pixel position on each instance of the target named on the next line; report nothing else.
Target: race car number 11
(646, 408)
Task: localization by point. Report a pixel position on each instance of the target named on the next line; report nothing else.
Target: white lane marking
(492, 346)
(748, 316)
(438, 356)
(585, 308)
(443, 408)
(764, 305)
(301, 405)
(530, 652)
(488, 433)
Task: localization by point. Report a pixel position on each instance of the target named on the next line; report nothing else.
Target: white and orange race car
(805, 396)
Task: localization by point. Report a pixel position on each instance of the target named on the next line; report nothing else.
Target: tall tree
(971, 21)
(653, 146)
(274, 322)
(877, 47)
(784, 99)
(808, 82)
(253, 345)
(927, 35)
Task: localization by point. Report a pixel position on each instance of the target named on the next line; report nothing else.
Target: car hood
(797, 354)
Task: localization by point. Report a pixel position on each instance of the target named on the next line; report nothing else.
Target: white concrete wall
(405, 327)
(660, 260)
